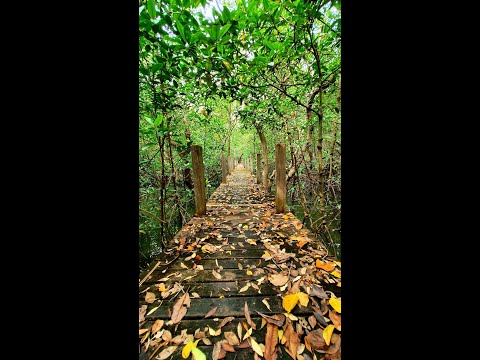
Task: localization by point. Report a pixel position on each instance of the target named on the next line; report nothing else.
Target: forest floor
(243, 281)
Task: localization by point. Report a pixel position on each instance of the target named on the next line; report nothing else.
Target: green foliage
(214, 73)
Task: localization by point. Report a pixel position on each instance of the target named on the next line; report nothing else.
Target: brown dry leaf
(312, 321)
(239, 330)
(327, 333)
(157, 325)
(316, 340)
(292, 341)
(206, 341)
(216, 274)
(211, 312)
(142, 331)
(179, 310)
(213, 332)
(277, 319)
(301, 243)
(166, 353)
(225, 321)
(271, 341)
(231, 338)
(141, 313)
(335, 344)
(149, 297)
(167, 335)
(195, 296)
(303, 298)
(278, 279)
(240, 266)
(247, 316)
(318, 292)
(336, 319)
(227, 347)
(218, 351)
(209, 248)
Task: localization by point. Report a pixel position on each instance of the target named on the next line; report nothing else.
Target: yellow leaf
(327, 267)
(280, 334)
(327, 333)
(162, 287)
(285, 217)
(289, 302)
(227, 64)
(142, 231)
(336, 273)
(256, 347)
(266, 304)
(197, 354)
(336, 304)
(249, 272)
(303, 298)
(338, 263)
(142, 331)
(188, 348)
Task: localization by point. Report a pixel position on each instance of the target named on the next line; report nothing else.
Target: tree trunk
(334, 130)
(265, 180)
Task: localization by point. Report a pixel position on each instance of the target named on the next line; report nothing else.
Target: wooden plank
(209, 264)
(215, 289)
(280, 179)
(199, 180)
(232, 306)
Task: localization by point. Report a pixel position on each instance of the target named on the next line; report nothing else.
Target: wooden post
(198, 180)
(224, 169)
(259, 165)
(229, 165)
(280, 179)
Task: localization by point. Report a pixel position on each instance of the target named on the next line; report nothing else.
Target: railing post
(199, 180)
(259, 165)
(280, 179)
(224, 169)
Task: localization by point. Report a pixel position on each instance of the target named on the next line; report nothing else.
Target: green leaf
(197, 354)
(223, 30)
(180, 28)
(158, 120)
(149, 120)
(151, 8)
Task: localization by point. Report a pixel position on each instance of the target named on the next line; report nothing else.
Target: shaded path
(230, 257)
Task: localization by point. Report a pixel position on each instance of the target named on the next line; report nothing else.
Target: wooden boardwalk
(241, 253)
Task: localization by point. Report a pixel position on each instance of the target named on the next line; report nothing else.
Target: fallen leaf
(248, 333)
(167, 335)
(292, 341)
(183, 265)
(149, 297)
(318, 292)
(245, 288)
(218, 351)
(312, 321)
(225, 321)
(206, 341)
(216, 274)
(271, 341)
(227, 347)
(209, 248)
(247, 316)
(266, 304)
(249, 273)
(199, 267)
(211, 312)
(256, 347)
(336, 304)
(142, 331)
(336, 319)
(278, 279)
(197, 354)
(327, 267)
(179, 310)
(188, 348)
(327, 333)
(315, 339)
(335, 341)
(277, 319)
(213, 332)
(141, 313)
(239, 330)
(195, 296)
(157, 325)
(161, 287)
(336, 274)
(166, 353)
(289, 302)
(231, 338)
(240, 266)
(303, 298)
